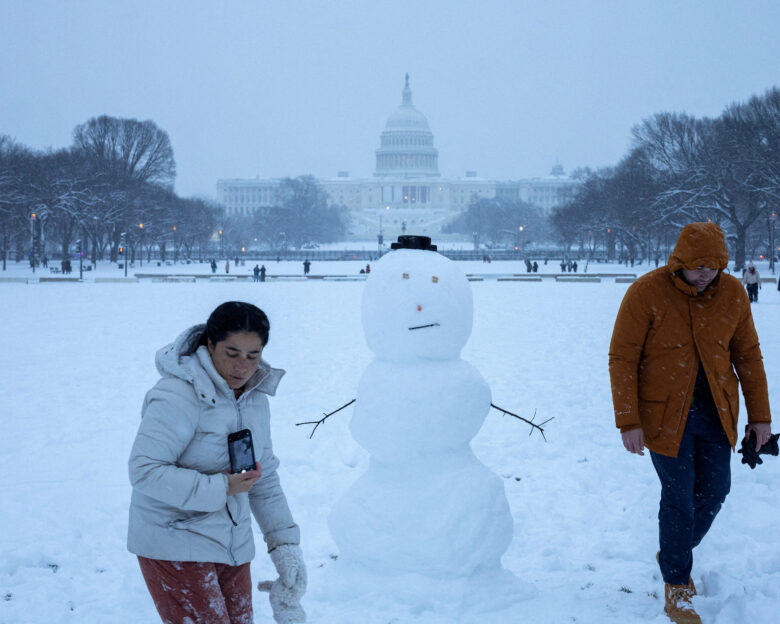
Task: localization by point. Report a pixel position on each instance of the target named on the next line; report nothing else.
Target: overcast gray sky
(284, 88)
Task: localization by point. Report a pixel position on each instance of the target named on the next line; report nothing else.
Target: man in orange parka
(680, 333)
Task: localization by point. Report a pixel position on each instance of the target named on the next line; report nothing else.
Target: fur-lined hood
(181, 359)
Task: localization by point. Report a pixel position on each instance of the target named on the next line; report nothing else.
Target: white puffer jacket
(750, 278)
(180, 510)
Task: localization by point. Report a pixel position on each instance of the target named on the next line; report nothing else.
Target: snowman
(426, 505)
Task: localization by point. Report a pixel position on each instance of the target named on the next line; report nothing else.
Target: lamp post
(221, 245)
(175, 248)
(772, 249)
(140, 244)
(123, 250)
(520, 229)
(33, 218)
(81, 258)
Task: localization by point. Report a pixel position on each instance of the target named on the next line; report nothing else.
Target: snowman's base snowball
(444, 518)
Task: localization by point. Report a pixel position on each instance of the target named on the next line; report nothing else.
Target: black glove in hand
(748, 450)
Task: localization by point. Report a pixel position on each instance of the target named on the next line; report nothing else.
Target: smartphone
(241, 451)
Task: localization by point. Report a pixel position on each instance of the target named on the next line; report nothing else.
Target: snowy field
(81, 358)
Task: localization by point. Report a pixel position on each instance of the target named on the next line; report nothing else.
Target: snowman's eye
(405, 276)
(435, 279)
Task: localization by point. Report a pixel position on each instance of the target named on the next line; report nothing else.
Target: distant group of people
(568, 266)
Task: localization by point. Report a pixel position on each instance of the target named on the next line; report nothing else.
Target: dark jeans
(752, 291)
(693, 487)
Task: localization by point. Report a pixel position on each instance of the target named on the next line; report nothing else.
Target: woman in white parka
(189, 517)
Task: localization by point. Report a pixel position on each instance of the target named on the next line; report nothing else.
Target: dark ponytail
(236, 316)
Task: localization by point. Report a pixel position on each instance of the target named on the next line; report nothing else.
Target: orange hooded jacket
(664, 328)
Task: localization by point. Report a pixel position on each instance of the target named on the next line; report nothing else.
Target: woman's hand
(243, 481)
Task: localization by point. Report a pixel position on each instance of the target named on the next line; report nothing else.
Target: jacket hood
(699, 244)
(179, 359)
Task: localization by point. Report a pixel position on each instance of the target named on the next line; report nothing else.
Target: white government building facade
(406, 192)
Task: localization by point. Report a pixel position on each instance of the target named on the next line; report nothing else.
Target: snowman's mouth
(424, 326)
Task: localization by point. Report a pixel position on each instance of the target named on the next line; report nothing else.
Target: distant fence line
(453, 254)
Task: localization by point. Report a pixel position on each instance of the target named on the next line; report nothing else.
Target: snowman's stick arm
(531, 422)
(317, 423)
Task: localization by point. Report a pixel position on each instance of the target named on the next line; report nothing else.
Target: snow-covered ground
(78, 358)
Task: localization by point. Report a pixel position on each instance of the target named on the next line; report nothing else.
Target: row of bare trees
(112, 187)
(112, 191)
(497, 221)
(681, 169)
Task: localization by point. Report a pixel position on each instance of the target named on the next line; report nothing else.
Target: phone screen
(242, 453)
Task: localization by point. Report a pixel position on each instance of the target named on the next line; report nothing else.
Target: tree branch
(530, 422)
(317, 423)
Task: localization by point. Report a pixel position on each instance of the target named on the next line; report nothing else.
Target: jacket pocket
(651, 416)
(732, 398)
(185, 522)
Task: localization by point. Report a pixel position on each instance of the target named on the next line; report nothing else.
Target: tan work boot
(678, 604)
(690, 578)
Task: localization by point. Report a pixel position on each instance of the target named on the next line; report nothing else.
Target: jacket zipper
(227, 506)
(692, 374)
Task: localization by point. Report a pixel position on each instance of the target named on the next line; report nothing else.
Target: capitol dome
(406, 144)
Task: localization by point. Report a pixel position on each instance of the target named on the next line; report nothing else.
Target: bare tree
(128, 147)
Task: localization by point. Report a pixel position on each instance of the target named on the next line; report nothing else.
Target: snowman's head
(417, 304)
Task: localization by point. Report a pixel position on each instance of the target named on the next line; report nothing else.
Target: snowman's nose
(419, 308)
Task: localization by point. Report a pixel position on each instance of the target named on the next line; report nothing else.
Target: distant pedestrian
(62, 265)
(563, 266)
(574, 266)
(368, 268)
(306, 266)
(45, 262)
(227, 266)
(256, 274)
(535, 266)
(213, 265)
(752, 281)
(262, 273)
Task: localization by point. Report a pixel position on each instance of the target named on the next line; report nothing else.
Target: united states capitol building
(406, 190)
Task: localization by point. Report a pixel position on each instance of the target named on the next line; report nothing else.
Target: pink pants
(188, 592)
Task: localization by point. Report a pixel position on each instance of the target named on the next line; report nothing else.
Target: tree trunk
(739, 248)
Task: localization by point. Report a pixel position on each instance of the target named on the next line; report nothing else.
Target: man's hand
(243, 481)
(763, 432)
(634, 441)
